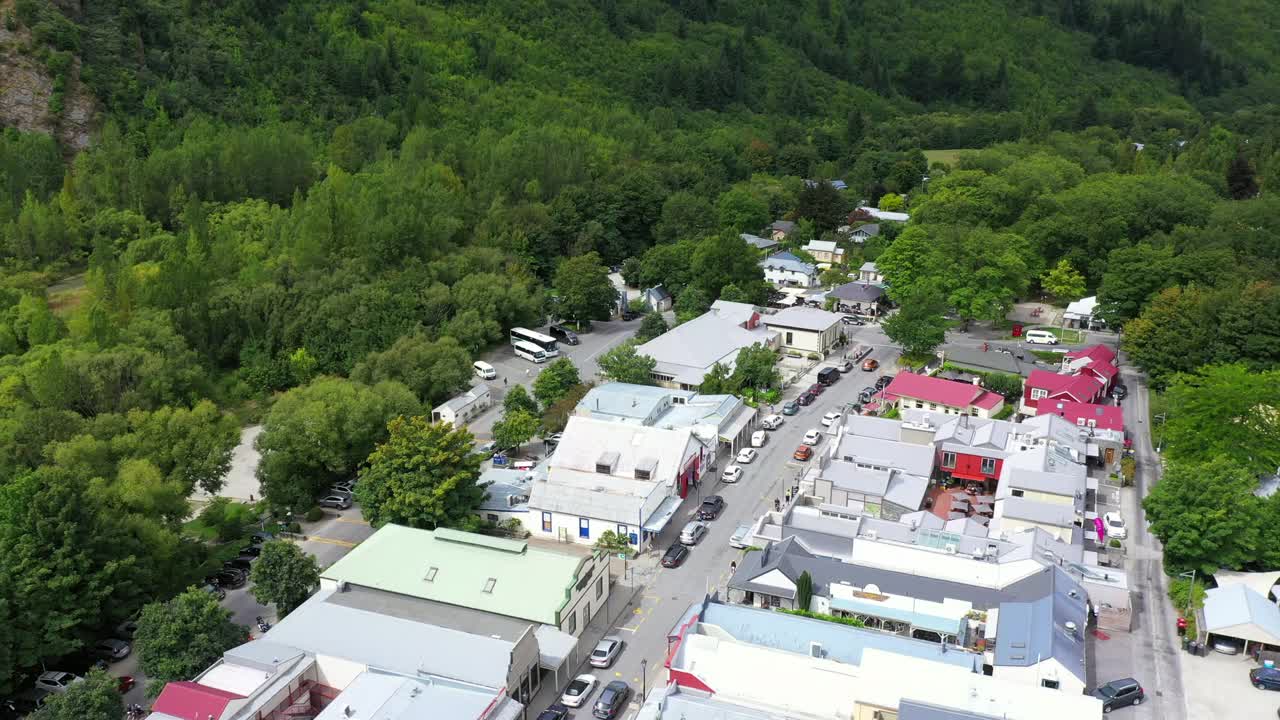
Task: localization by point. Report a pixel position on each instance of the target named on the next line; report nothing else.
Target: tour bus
(546, 342)
(529, 351)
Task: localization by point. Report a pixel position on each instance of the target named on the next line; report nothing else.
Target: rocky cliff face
(26, 87)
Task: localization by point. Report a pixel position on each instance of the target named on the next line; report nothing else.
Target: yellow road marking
(330, 541)
(352, 521)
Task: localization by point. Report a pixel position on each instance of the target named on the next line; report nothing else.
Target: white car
(731, 474)
(772, 422)
(739, 537)
(759, 438)
(746, 455)
(1115, 526)
(813, 437)
(579, 691)
(57, 681)
(830, 418)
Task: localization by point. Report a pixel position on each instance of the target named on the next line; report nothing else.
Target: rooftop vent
(431, 574)
(1071, 628)
(607, 461)
(646, 468)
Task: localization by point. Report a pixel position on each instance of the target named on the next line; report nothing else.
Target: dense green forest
(339, 203)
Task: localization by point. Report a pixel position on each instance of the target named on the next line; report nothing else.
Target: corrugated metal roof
(531, 583)
(803, 318)
(1243, 613)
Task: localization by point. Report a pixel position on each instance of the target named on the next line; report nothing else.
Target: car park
(813, 437)
(675, 555)
(804, 452)
(606, 651)
(1265, 678)
(1114, 525)
(772, 422)
(338, 502)
(790, 408)
(1120, 693)
(554, 711)
(711, 507)
(692, 532)
(759, 438)
(57, 681)
(830, 418)
(739, 537)
(613, 699)
(111, 649)
(870, 364)
(746, 456)
(731, 474)
(579, 691)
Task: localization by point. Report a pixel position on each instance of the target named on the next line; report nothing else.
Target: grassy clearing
(1048, 355)
(943, 156)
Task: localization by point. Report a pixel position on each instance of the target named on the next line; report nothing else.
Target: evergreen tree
(1242, 183)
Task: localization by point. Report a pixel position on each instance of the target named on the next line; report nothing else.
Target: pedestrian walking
(504, 382)
(733, 567)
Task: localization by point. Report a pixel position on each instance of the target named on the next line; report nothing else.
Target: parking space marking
(330, 541)
(353, 521)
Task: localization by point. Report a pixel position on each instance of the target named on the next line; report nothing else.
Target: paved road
(512, 370)
(666, 594)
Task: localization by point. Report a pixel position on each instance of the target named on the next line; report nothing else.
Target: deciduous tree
(181, 637)
(1239, 405)
(1063, 282)
(284, 576)
(584, 289)
(97, 698)
(518, 399)
(651, 327)
(1206, 515)
(919, 325)
(425, 476)
(554, 381)
(624, 364)
(515, 429)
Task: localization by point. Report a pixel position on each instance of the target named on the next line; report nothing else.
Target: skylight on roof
(488, 585)
(431, 574)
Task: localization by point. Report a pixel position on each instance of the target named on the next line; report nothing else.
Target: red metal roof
(1110, 417)
(185, 699)
(1097, 353)
(988, 400)
(1045, 380)
(1082, 388)
(935, 390)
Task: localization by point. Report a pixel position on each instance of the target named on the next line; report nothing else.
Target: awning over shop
(662, 515)
(554, 646)
(740, 421)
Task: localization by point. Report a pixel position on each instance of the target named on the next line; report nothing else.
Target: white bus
(529, 351)
(546, 342)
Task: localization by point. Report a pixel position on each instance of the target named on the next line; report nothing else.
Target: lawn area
(1048, 355)
(909, 361)
(942, 156)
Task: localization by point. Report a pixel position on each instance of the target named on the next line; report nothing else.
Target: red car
(126, 683)
(870, 365)
(804, 452)
(816, 389)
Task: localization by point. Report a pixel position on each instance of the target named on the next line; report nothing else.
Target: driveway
(604, 336)
(664, 595)
(332, 537)
(1218, 687)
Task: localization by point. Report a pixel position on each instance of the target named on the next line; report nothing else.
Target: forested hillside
(346, 200)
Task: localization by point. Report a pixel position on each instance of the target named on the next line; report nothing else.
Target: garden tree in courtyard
(754, 368)
(624, 364)
(651, 327)
(584, 289)
(1063, 282)
(97, 698)
(424, 476)
(554, 381)
(804, 590)
(320, 433)
(919, 325)
(284, 576)
(518, 399)
(1239, 405)
(515, 429)
(613, 543)
(179, 638)
(717, 381)
(1206, 516)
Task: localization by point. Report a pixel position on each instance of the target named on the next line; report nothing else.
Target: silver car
(607, 650)
(739, 537)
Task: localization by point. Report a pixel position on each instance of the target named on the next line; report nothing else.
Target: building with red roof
(1098, 361)
(183, 699)
(1090, 415)
(1042, 385)
(909, 391)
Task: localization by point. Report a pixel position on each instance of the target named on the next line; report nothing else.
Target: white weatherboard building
(805, 329)
(685, 354)
(460, 410)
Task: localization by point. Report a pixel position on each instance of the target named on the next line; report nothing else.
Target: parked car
(57, 681)
(866, 394)
(564, 334)
(28, 701)
(1265, 678)
(759, 438)
(484, 370)
(579, 691)
(261, 536)
(126, 629)
(804, 452)
(1227, 646)
(214, 590)
(845, 366)
(338, 502)
(851, 320)
(606, 651)
(883, 381)
(692, 532)
(1120, 693)
(828, 376)
(1120, 392)
(628, 316)
(1115, 526)
(813, 437)
(346, 486)
(239, 563)
(731, 474)
(772, 422)
(746, 456)
(870, 365)
(251, 551)
(613, 699)
(791, 408)
(125, 683)
(230, 578)
(830, 418)
(739, 537)
(675, 555)
(1040, 337)
(816, 389)
(111, 649)
(554, 711)
(806, 398)
(711, 507)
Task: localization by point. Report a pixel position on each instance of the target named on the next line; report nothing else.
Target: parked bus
(546, 342)
(529, 351)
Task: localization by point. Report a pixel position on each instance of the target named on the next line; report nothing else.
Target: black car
(240, 563)
(806, 398)
(251, 551)
(711, 508)
(612, 700)
(883, 381)
(230, 578)
(1120, 693)
(554, 712)
(1120, 392)
(564, 334)
(628, 316)
(260, 537)
(1265, 678)
(675, 555)
(828, 376)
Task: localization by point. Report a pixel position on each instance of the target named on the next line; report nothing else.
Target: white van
(759, 438)
(1041, 337)
(484, 370)
(772, 422)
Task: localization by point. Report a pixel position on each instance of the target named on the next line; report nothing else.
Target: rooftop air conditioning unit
(872, 534)
(816, 650)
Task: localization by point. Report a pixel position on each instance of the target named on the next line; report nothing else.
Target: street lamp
(1160, 442)
(644, 679)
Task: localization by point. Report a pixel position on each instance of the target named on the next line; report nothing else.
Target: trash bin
(1186, 643)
